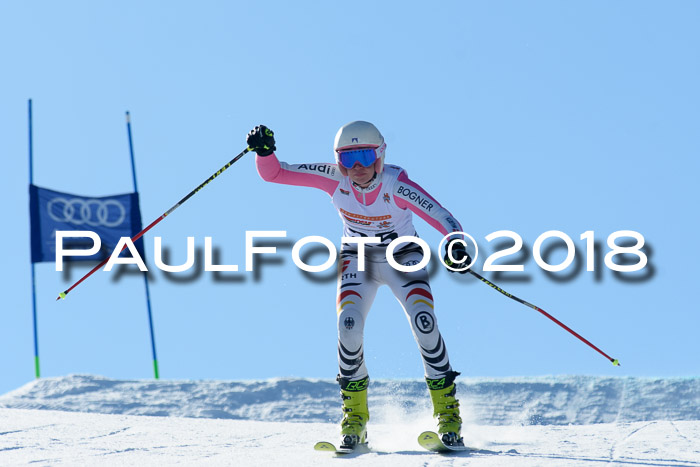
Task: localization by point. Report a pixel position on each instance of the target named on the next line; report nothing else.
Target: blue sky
(522, 116)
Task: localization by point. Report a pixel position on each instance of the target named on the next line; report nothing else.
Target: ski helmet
(360, 135)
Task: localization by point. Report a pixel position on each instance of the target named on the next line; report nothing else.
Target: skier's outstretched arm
(321, 175)
(409, 195)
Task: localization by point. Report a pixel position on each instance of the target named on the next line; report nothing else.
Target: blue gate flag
(110, 217)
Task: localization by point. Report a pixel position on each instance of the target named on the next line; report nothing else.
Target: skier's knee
(350, 323)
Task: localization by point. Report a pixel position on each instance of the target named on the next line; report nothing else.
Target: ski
(325, 446)
(330, 447)
(432, 442)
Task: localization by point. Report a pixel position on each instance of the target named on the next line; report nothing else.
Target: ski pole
(614, 361)
(152, 224)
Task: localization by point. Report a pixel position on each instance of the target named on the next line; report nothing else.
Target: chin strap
(369, 184)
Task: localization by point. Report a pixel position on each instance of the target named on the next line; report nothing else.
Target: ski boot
(446, 408)
(355, 413)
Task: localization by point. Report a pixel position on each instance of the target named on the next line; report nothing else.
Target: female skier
(375, 200)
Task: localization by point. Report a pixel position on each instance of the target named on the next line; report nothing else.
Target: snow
(563, 420)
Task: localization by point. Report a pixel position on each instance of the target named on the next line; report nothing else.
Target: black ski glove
(459, 253)
(261, 140)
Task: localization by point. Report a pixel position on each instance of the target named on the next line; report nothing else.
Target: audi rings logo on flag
(110, 217)
(91, 212)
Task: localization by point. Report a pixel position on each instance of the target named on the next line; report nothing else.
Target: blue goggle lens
(365, 157)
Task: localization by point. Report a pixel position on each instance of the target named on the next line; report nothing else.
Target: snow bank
(556, 400)
(519, 422)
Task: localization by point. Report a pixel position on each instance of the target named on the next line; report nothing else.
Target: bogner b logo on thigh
(424, 322)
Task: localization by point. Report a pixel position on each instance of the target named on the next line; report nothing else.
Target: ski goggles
(365, 156)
